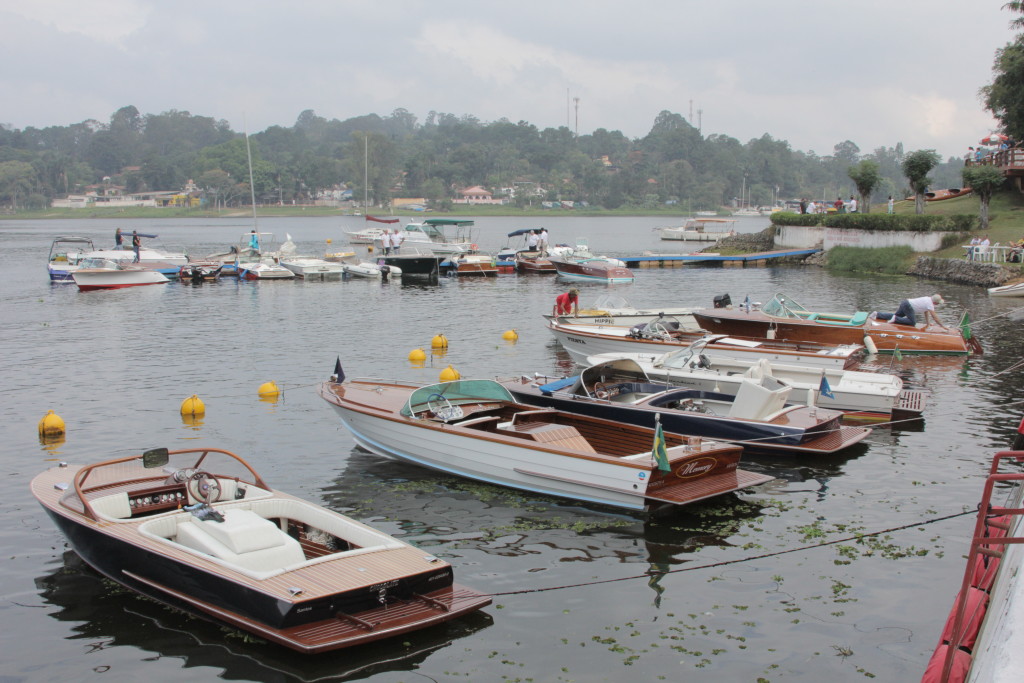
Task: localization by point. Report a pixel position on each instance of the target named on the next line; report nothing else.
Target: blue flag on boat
(659, 453)
(824, 389)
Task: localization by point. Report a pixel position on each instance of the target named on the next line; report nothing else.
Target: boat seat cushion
(859, 318)
(113, 506)
(243, 531)
(285, 552)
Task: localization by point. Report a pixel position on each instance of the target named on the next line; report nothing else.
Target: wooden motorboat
(697, 230)
(475, 429)
(526, 259)
(661, 336)
(99, 273)
(1007, 290)
(66, 256)
(784, 318)
(581, 264)
(861, 396)
(948, 193)
(472, 264)
(200, 530)
(757, 416)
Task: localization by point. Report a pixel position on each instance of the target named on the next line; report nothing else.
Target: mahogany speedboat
(201, 531)
(784, 318)
(757, 416)
(475, 429)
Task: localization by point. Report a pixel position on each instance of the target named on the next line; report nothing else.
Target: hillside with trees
(400, 156)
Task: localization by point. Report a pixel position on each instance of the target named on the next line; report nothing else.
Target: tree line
(382, 157)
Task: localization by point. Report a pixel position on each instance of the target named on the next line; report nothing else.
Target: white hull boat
(364, 236)
(1007, 290)
(582, 341)
(863, 396)
(697, 230)
(104, 274)
(474, 429)
(353, 266)
(66, 257)
(309, 268)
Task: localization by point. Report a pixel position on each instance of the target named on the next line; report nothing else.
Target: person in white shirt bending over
(911, 309)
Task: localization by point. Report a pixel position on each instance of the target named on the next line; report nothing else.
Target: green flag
(896, 353)
(965, 326)
(659, 453)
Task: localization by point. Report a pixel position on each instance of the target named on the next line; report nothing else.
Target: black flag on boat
(339, 374)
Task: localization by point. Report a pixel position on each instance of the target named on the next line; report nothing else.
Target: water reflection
(105, 615)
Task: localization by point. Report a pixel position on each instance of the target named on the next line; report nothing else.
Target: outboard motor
(723, 301)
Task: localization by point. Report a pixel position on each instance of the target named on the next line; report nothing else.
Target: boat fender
(771, 333)
(869, 344)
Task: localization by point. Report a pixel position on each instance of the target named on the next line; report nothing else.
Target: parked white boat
(697, 230)
(364, 236)
(474, 429)
(582, 341)
(354, 266)
(1007, 290)
(310, 268)
(440, 235)
(66, 256)
(866, 396)
(147, 253)
(98, 273)
(257, 259)
(612, 309)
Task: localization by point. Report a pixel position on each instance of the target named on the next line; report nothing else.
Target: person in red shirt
(567, 302)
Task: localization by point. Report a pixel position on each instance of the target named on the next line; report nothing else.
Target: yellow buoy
(328, 240)
(439, 342)
(193, 405)
(449, 374)
(51, 424)
(417, 354)
(268, 389)
(510, 335)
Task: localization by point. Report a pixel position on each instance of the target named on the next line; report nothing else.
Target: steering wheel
(601, 390)
(659, 330)
(204, 487)
(447, 411)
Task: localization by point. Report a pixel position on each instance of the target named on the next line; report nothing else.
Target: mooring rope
(724, 563)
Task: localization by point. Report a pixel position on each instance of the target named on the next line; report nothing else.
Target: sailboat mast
(366, 172)
(252, 188)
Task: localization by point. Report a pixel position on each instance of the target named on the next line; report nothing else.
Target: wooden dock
(761, 258)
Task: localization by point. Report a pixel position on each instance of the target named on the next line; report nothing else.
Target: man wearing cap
(568, 302)
(911, 309)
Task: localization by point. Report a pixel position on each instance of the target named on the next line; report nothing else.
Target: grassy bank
(884, 261)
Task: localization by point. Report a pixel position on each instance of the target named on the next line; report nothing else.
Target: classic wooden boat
(1007, 290)
(66, 256)
(581, 264)
(982, 637)
(200, 271)
(660, 336)
(696, 230)
(784, 318)
(757, 416)
(99, 273)
(475, 429)
(200, 530)
(861, 396)
(472, 264)
(949, 193)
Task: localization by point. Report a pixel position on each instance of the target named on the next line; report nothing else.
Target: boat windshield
(455, 393)
(781, 306)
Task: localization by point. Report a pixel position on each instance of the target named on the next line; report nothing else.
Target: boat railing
(992, 533)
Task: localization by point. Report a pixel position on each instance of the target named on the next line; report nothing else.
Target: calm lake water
(572, 601)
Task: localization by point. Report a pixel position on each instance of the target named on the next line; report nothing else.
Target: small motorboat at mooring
(100, 273)
(697, 230)
(66, 254)
(1007, 290)
(784, 318)
(757, 416)
(581, 264)
(201, 531)
(475, 429)
(200, 271)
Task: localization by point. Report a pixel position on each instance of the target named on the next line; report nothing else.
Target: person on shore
(969, 157)
(136, 245)
(385, 242)
(812, 207)
(396, 241)
(803, 206)
(840, 207)
(852, 205)
(118, 238)
(567, 302)
(892, 206)
(911, 309)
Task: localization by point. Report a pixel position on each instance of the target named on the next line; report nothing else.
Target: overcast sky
(814, 73)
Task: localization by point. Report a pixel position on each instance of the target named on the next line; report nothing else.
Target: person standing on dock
(136, 244)
(385, 242)
(118, 238)
(567, 302)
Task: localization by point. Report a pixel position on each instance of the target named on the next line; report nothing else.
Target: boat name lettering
(578, 341)
(438, 577)
(604, 321)
(303, 609)
(695, 468)
(382, 586)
